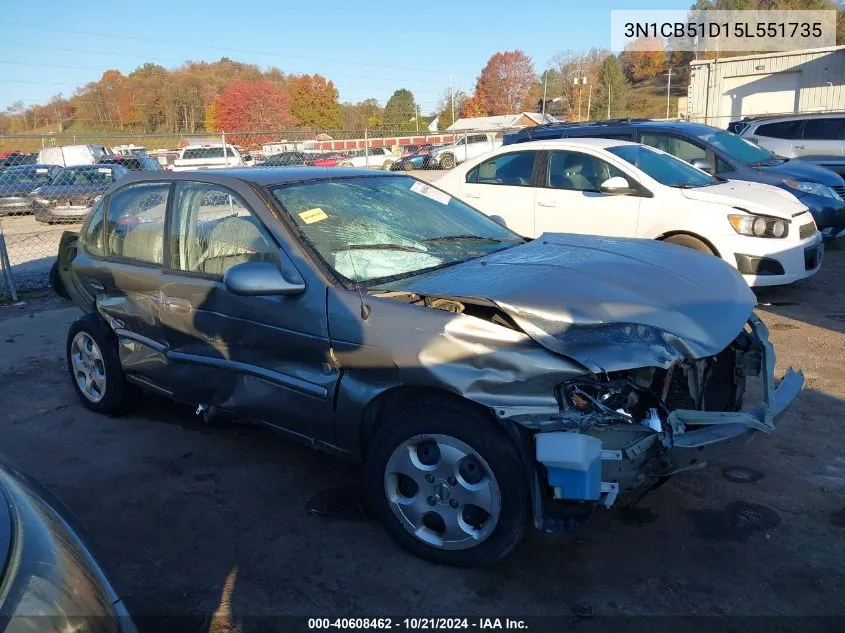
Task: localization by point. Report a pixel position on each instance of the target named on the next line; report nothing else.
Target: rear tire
(689, 241)
(467, 504)
(447, 161)
(56, 283)
(94, 365)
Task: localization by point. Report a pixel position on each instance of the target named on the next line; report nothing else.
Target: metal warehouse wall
(775, 83)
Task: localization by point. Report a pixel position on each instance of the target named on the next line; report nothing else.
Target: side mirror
(256, 279)
(498, 219)
(702, 164)
(617, 185)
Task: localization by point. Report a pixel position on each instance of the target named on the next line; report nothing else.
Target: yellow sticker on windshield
(313, 215)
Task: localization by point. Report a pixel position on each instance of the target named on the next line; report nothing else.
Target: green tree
(611, 91)
(400, 110)
(445, 109)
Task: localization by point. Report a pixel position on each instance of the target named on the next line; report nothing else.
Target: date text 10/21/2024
(418, 624)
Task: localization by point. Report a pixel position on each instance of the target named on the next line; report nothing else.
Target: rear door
(264, 357)
(823, 142)
(504, 186)
(570, 201)
(120, 265)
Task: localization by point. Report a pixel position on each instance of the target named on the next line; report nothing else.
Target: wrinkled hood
(751, 196)
(804, 170)
(608, 303)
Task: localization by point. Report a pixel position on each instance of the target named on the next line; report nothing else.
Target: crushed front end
(623, 433)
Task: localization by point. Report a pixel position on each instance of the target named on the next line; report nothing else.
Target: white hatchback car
(622, 189)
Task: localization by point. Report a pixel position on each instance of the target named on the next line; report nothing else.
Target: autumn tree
(359, 116)
(313, 101)
(400, 110)
(253, 106)
(505, 83)
(472, 107)
(644, 58)
(611, 93)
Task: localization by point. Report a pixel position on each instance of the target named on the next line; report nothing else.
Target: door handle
(177, 305)
(798, 147)
(551, 205)
(473, 195)
(96, 285)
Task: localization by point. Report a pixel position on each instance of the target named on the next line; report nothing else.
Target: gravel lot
(201, 519)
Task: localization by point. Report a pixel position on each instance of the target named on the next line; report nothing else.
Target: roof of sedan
(264, 176)
(599, 143)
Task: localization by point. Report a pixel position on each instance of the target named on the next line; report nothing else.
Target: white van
(68, 155)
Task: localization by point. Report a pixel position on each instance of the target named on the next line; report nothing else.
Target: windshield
(738, 148)
(25, 177)
(664, 168)
(84, 176)
(372, 229)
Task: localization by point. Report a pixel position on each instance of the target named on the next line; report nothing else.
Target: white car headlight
(812, 187)
(759, 225)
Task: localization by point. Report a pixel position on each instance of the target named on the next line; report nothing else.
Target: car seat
(233, 241)
(142, 241)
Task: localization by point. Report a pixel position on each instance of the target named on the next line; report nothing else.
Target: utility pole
(452, 87)
(545, 74)
(609, 95)
(668, 90)
(417, 118)
(589, 100)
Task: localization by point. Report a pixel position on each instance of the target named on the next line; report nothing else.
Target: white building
(502, 122)
(724, 90)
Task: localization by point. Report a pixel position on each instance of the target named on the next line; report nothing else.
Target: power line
(222, 48)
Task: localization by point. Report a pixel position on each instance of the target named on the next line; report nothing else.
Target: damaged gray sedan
(484, 380)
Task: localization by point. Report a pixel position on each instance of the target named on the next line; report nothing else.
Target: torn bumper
(688, 439)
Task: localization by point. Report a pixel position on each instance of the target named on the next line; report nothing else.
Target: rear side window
(93, 238)
(213, 229)
(135, 222)
(781, 129)
(825, 129)
(674, 145)
(513, 169)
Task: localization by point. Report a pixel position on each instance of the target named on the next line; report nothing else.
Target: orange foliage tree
(472, 107)
(638, 63)
(253, 105)
(314, 101)
(505, 83)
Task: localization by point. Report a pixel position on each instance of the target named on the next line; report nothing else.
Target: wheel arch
(710, 245)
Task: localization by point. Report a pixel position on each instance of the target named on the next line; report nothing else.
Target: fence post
(225, 153)
(6, 267)
(366, 147)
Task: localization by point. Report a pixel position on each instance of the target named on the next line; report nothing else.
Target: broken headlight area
(626, 432)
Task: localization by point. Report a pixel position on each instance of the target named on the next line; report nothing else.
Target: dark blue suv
(822, 190)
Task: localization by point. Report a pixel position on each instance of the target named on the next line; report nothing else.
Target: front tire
(94, 365)
(448, 484)
(689, 241)
(447, 161)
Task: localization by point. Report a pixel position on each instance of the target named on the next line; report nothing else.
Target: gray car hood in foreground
(608, 303)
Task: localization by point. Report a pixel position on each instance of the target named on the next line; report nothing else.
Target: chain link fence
(49, 183)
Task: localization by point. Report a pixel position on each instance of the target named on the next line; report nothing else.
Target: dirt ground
(200, 519)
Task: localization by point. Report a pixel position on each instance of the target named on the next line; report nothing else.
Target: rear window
(205, 152)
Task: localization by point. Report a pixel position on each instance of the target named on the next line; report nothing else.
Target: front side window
(781, 129)
(513, 169)
(212, 230)
(578, 172)
(375, 229)
(674, 145)
(664, 168)
(135, 222)
(823, 129)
